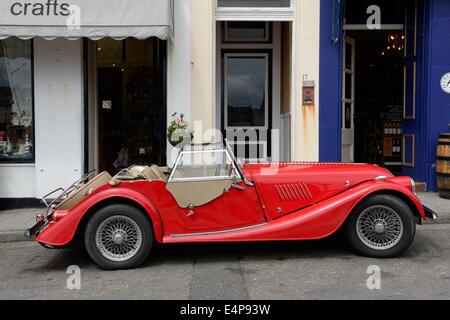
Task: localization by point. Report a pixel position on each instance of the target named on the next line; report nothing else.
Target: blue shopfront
(383, 99)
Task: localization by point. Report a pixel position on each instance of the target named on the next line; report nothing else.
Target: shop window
(254, 3)
(16, 101)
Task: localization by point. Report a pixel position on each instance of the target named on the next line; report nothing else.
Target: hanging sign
(308, 93)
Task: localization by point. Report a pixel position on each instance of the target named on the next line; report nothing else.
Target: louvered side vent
(292, 192)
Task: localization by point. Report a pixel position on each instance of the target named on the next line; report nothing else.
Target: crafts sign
(93, 19)
(45, 8)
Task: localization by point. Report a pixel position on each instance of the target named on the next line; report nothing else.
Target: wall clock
(445, 82)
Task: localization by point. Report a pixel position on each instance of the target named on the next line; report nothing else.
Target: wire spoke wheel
(379, 227)
(118, 238)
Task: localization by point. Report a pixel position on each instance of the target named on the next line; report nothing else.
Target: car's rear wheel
(381, 226)
(118, 237)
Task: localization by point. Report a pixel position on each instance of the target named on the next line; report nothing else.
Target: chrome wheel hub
(379, 227)
(118, 238)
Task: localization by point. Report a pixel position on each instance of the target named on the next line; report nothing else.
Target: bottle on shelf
(27, 144)
(8, 146)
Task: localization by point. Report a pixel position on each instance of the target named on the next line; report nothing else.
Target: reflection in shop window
(16, 101)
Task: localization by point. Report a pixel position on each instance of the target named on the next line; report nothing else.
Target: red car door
(233, 209)
(208, 196)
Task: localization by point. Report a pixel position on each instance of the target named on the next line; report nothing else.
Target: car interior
(185, 192)
(183, 183)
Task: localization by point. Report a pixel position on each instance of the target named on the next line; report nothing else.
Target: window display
(16, 101)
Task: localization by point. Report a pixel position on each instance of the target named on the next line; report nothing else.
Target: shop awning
(94, 19)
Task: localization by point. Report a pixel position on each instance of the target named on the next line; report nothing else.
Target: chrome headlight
(413, 185)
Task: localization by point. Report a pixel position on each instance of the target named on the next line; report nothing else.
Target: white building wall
(179, 65)
(58, 121)
(59, 118)
(17, 181)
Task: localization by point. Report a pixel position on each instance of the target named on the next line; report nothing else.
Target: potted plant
(178, 133)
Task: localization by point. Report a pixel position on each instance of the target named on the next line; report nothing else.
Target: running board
(201, 234)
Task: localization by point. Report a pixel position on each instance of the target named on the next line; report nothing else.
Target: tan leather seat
(79, 194)
(149, 174)
(158, 172)
(139, 173)
(153, 173)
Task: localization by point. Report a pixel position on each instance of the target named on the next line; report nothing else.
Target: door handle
(191, 211)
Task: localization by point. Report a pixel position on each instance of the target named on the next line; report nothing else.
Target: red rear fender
(62, 232)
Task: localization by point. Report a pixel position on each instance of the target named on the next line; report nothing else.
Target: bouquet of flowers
(178, 133)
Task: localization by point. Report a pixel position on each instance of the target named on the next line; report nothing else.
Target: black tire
(128, 214)
(381, 201)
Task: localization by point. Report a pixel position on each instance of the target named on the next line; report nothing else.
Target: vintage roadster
(210, 196)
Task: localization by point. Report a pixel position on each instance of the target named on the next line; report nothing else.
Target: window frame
(231, 40)
(234, 176)
(290, 7)
(31, 160)
(254, 13)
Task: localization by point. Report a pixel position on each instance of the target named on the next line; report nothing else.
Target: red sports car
(209, 196)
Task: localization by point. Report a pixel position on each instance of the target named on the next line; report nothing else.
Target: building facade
(386, 101)
(303, 80)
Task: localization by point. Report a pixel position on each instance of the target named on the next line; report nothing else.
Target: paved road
(325, 269)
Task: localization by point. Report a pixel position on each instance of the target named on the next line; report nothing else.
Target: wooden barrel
(443, 166)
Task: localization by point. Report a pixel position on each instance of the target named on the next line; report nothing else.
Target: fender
(402, 185)
(315, 222)
(61, 232)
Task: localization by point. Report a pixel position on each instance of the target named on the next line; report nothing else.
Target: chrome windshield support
(236, 164)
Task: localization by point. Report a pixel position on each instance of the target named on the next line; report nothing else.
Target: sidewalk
(13, 223)
(438, 205)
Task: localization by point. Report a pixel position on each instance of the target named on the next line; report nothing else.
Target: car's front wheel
(118, 237)
(381, 226)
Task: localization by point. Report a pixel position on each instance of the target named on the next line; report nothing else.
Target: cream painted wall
(305, 121)
(202, 72)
